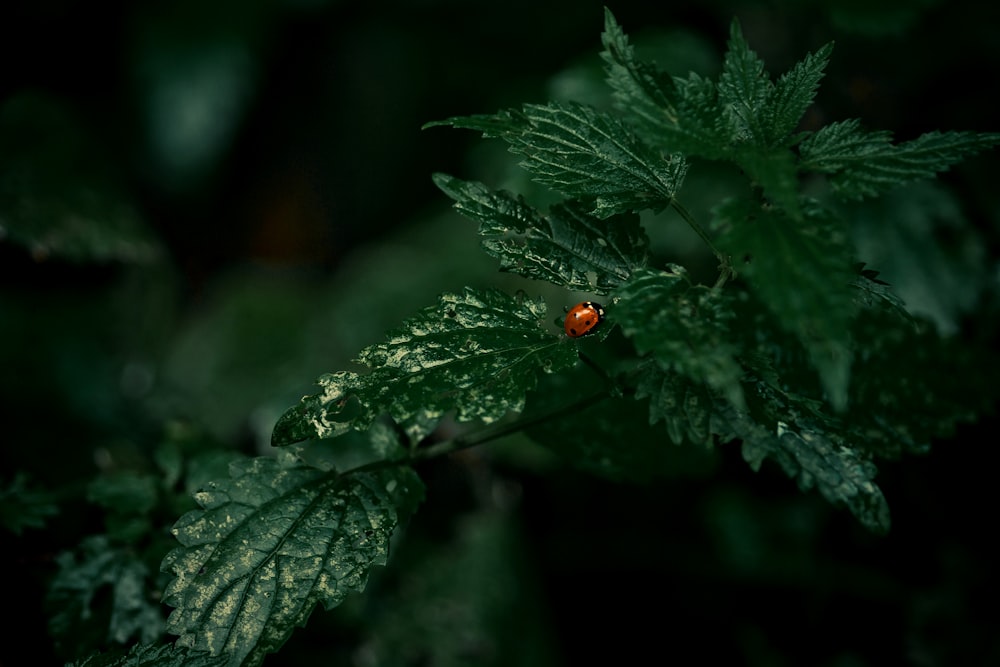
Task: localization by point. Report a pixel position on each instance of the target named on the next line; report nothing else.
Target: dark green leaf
(272, 542)
(685, 407)
(874, 293)
(814, 457)
(802, 272)
(102, 591)
(476, 353)
(684, 327)
(744, 91)
(585, 154)
(866, 164)
(22, 506)
(680, 115)
(567, 247)
(794, 92)
(622, 442)
(148, 655)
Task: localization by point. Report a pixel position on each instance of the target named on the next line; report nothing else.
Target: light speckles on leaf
(475, 353)
(249, 571)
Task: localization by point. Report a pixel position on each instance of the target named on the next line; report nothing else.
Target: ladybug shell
(583, 318)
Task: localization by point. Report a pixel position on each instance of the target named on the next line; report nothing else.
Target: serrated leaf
(683, 326)
(865, 164)
(914, 385)
(476, 353)
(568, 247)
(621, 443)
(681, 115)
(23, 506)
(801, 270)
(794, 92)
(149, 655)
(744, 91)
(585, 154)
(815, 459)
(272, 542)
(874, 293)
(684, 406)
(97, 574)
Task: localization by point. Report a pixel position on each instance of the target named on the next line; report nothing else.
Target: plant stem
(725, 268)
(481, 437)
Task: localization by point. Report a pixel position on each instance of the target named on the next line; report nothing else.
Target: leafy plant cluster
(796, 351)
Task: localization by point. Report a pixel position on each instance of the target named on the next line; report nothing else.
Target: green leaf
(914, 385)
(567, 247)
(476, 353)
(744, 91)
(810, 453)
(865, 164)
(585, 154)
(683, 326)
(148, 655)
(272, 542)
(794, 92)
(684, 406)
(101, 592)
(622, 442)
(762, 113)
(802, 272)
(873, 293)
(22, 506)
(680, 115)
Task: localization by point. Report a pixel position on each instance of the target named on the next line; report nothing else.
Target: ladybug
(583, 318)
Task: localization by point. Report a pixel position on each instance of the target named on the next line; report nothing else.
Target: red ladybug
(583, 318)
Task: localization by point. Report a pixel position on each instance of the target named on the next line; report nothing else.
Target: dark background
(280, 215)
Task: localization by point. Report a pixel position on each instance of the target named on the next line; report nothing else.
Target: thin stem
(488, 434)
(725, 268)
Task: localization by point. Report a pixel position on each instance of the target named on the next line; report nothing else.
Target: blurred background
(204, 207)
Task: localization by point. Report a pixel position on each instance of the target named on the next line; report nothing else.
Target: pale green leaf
(476, 353)
(683, 326)
(865, 164)
(271, 543)
(567, 247)
(585, 154)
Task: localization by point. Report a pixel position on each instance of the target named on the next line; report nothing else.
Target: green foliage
(145, 655)
(763, 357)
(794, 350)
(22, 506)
(476, 353)
(272, 542)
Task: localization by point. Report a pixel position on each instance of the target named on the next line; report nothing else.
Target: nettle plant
(795, 352)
